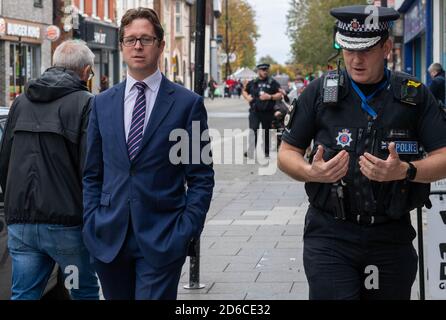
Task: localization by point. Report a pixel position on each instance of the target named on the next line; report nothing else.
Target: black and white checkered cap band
(362, 27)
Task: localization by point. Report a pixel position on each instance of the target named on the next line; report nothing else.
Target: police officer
(379, 140)
(262, 94)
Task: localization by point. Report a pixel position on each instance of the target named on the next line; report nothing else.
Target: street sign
(52, 33)
(232, 57)
(436, 247)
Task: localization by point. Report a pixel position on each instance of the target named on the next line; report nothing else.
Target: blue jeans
(34, 250)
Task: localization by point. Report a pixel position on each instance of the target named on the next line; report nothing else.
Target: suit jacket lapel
(117, 100)
(163, 104)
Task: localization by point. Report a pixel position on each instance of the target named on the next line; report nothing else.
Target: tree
(242, 33)
(310, 29)
(296, 16)
(283, 69)
(267, 59)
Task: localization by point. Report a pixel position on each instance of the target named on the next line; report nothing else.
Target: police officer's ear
(387, 47)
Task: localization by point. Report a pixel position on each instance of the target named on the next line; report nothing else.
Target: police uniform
(358, 234)
(261, 112)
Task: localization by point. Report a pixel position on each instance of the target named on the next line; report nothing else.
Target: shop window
(38, 3)
(94, 10)
(24, 62)
(178, 18)
(106, 8)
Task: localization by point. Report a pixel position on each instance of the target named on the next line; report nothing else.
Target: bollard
(194, 268)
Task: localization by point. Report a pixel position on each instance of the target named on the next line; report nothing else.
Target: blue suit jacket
(167, 202)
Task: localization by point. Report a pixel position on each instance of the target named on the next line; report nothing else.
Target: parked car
(55, 288)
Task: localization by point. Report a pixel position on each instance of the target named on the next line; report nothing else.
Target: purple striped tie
(138, 118)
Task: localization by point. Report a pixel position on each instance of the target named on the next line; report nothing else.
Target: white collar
(153, 81)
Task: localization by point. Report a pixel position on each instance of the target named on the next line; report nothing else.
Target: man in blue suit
(141, 209)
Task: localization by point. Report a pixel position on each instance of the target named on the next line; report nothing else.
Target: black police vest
(262, 86)
(345, 126)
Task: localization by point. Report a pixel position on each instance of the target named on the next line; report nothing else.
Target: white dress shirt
(153, 83)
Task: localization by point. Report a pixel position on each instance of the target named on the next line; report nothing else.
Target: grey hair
(73, 55)
(436, 67)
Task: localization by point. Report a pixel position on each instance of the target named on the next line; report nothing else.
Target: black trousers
(255, 119)
(347, 261)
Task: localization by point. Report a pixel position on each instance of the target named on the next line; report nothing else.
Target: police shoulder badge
(344, 138)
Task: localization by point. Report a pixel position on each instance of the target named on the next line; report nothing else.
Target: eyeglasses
(91, 75)
(145, 41)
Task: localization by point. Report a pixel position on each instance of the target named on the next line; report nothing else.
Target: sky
(271, 22)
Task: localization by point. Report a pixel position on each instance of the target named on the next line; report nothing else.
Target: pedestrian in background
(104, 83)
(212, 85)
(239, 88)
(437, 85)
(41, 163)
(297, 88)
(261, 94)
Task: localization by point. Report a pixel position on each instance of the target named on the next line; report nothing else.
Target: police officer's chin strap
(365, 99)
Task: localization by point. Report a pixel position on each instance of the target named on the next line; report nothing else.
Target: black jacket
(42, 152)
(437, 86)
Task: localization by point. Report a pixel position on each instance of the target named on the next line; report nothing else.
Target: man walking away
(41, 164)
(438, 82)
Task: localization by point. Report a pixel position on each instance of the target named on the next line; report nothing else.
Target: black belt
(361, 219)
(368, 220)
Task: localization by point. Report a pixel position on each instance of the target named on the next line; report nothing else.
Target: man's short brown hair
(142, 13)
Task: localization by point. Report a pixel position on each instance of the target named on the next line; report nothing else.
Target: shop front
(21, 53)
(443, 32)
(418, 38)
(102, 39)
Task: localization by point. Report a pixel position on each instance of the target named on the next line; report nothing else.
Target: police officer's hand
(265, 96)
(375, 169)
(328, 171)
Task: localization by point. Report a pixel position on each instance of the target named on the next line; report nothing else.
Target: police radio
(332, 84)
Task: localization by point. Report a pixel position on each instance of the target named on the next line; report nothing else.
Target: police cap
(263, 66)
(361, 27)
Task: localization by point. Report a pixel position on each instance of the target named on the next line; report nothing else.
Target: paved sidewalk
(251, 246)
